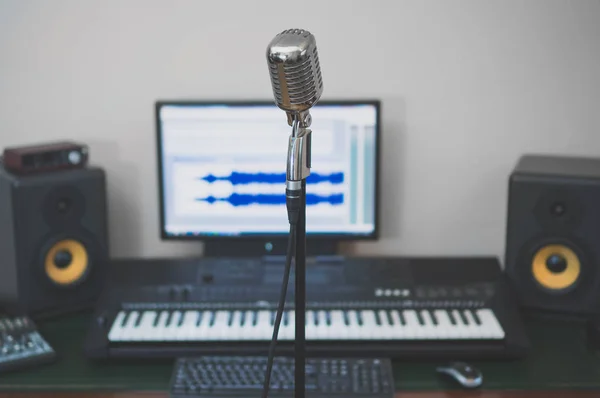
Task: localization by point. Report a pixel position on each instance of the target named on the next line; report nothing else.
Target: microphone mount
(299, 148)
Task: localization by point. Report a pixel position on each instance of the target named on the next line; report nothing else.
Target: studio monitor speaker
(553, 234)
(53, 241)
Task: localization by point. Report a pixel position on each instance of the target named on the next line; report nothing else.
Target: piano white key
(142, 330)
(445, 329)
(115, 331)
(386, 329)
(322, 329)
(162, 325)
(474, 329)
(251, 330)
(488, 319)
(370, 330)
(131, 331)
(264, 328)
(318, 329)
(398, 328)
(413, 328)
(338, 328)
(292, 334)
(460, 329)
(283, 329)
(330, 327)
(311, 326)
(124, 330)
(172, 331)
(128, 331)
(220, 329)
(203, 330)
(352, 330)
(234, 331)
(292, 327)
(188, 326)
(428, 328)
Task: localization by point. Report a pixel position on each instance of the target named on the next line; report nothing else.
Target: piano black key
(213, 316)
(359, 318)
(243, 318)
(139, 319)
(328, 318)
(156, 318)
(254, 318)
(389, 318)
(346, 318)
(125, 318)
(180, 321)
(316, 318)
(420, 318)
(169, 318)
(433, 317)
(377, 318)
(463, 317)
(230, 318)
(199, 319)
(286, 318)
(452, 318)
(476, 317)
(273, 316)
(401, 316)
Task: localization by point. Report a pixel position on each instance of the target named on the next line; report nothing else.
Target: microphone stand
(298, 169)
(300, 298)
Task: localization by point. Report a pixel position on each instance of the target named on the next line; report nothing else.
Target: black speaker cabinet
(553, 234)
(53, 241)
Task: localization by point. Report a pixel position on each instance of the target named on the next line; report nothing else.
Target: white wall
(467, 86)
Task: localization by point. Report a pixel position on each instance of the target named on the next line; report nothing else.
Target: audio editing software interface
(224, 169)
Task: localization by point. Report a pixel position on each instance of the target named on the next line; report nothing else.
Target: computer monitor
(222, 171)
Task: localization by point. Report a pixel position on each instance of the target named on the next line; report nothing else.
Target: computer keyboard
(237, 376)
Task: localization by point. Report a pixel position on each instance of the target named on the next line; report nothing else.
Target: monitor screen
(222, 169)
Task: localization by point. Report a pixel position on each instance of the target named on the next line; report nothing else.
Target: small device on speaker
(21, 345)
(54, 240)
(45, 157)
(553, 234)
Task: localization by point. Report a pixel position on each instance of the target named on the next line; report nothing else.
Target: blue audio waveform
(241, 178)
(237, 199)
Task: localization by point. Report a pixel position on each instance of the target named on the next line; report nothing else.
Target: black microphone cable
(293, 207)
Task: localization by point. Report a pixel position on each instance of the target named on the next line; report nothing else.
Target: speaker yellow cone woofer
(556, 267)
(73, 265)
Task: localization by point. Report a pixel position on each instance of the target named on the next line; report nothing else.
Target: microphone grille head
(294, 70)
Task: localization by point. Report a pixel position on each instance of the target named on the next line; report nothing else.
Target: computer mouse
(464, 374)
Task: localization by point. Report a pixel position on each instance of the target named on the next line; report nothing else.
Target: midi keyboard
(441, 308)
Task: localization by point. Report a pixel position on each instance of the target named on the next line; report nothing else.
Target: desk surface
(559, 361)
(421, 394)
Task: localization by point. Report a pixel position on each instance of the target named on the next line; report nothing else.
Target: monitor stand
(267, 247)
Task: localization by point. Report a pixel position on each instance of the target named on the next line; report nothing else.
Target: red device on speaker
(41, 158)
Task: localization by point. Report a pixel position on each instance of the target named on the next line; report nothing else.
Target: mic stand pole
(298, 169)
(300, 298)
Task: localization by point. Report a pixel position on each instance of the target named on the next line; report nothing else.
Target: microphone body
(297, 85)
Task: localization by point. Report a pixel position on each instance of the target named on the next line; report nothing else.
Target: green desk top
(559, 359)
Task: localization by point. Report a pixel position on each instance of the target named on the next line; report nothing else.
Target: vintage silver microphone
(297, 86)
